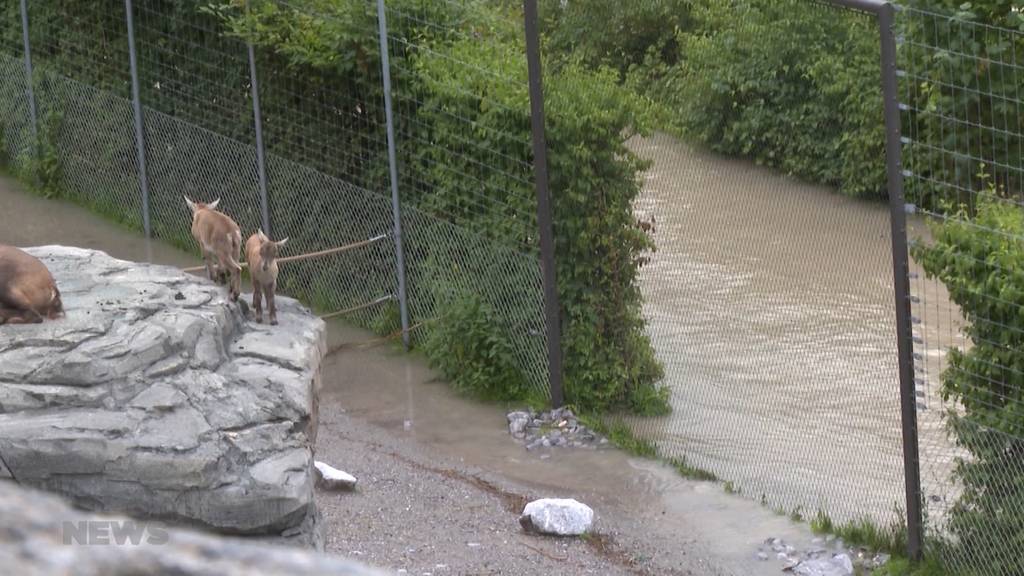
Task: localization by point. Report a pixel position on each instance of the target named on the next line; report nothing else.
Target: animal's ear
(260, 234)
(213, 205)
(191, 204)
(282, 242)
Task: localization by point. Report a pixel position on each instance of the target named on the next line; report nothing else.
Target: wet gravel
(415, 513)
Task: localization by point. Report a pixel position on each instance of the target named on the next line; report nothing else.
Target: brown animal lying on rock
(220, 240)
(261, 253)
(28, 292)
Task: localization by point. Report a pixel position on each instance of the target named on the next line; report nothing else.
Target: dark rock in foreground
(155, 397)
(41, 535)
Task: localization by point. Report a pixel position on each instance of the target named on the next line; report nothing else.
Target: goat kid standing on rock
(261, 253)
(28, 292)
(220, 239)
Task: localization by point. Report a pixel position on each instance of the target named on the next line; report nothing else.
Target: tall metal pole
(28, 72)
(396, 213)
(261, 168)
(140, 138)
(544, 218)
(901, 276)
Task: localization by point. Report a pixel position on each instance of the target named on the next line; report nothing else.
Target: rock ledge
(155, 397)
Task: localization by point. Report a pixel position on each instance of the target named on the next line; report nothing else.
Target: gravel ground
(417, 514)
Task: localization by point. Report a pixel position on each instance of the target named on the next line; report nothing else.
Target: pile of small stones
(555, 428)
(827, 556)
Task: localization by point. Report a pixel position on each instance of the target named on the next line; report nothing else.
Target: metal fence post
(396, 213)
(140, 142)
(544, 218)
(261, 167)
(901, 276)
(885, 12)
(28, 71)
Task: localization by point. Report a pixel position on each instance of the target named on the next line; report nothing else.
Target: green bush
(787, 83)
(963, 93)
(464, 346)
(981, 262)
(615, 34)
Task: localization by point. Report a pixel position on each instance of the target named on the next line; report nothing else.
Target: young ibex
(220, 239)
(261, 253)
(28, 293)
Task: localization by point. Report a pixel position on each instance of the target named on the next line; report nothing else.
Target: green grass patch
(904, 567)
(687, 470)
(891, 539)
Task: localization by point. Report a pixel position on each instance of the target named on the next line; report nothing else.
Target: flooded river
(770, 303)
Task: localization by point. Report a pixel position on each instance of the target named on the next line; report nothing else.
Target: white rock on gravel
(557, 516)
(331, 478)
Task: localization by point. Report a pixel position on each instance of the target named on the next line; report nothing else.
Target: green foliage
(790, 85)
(615, 34)
(981, 262)
(865, 532)
(39, 166)
(903, 567)
(967, 77)
(388, 319)
(686, 470)
(471, 354)
(621, 435)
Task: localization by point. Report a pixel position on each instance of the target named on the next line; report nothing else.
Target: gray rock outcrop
(156, 398)
(41, 535)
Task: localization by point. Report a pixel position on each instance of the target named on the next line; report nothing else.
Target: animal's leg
(17, 308)
(257, 302)
(235, 289)
(16, 316)
(209, 267)
(272, 304)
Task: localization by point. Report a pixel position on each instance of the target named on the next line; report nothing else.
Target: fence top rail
(872, 6)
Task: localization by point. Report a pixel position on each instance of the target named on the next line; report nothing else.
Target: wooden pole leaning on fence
(310, 255)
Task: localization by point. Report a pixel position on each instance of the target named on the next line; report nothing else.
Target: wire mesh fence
(962, 97)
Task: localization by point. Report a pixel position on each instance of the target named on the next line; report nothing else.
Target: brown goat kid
(220, 239)
(28, 292)
(261, 253)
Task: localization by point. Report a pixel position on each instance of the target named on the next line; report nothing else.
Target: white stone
(558, 516)
(333, 479)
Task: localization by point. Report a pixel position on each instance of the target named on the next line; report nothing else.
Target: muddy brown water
(770, 302)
